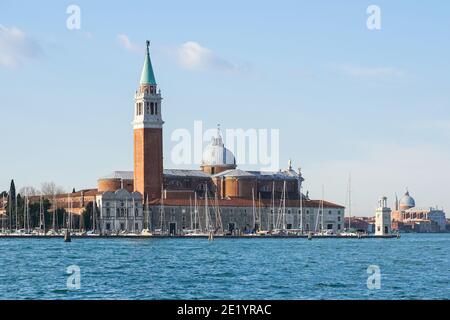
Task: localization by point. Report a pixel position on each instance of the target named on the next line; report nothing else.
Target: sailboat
(41, 217)
(133, 232)
(280, 228)
(254, 230)
(260, 231)
(349, 232)
(160, 231)
(52, 231)
(93, 231)
(146, 230)
(198, 231)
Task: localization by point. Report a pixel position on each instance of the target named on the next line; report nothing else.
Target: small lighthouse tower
(383, 218)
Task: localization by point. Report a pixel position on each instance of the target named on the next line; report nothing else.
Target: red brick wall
(148, 162)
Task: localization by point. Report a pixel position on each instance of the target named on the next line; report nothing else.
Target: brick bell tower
(147, 127)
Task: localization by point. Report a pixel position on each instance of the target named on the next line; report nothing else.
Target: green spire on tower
(147, 76)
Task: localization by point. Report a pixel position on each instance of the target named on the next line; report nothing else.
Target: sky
(347, 100)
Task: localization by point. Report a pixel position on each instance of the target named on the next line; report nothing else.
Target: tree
(11, 207)
(50, 188)
(12, 192)
(28, 191)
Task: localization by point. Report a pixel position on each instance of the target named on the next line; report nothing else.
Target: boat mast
(323, 192)
(126, 214)
(115, 215)
(301, 207)
(27, 213)
(54, 212)
(94, 213)
(161, 209)
(66, 214)
(349, 201)
(190, 212)
(253, 210)
(41, 215)
(206, 209)
(284, 205)
(3, 201)
(259, 211)
(273, 205)
(197, 225)
(147, 213)
(134, 216)
(17, 217)
(219, 225)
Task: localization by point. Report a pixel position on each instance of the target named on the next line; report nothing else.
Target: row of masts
(41, 227)
(276, 219)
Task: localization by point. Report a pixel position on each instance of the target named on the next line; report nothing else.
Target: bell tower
(147, 127)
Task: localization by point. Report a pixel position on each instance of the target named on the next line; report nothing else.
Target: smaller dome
(216, 154)
(407, 202)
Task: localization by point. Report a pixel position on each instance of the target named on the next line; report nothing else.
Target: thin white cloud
(16, 47)
(193, 56)
(127, 44)
(369, 72)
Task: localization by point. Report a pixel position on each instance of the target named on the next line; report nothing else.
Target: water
(414, 267)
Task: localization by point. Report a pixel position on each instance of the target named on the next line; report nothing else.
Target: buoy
(210, 236)
(67, 236)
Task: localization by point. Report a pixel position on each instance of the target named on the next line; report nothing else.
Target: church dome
(215, 154)
(407, 202)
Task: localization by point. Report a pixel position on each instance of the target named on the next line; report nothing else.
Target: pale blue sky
(346, 99)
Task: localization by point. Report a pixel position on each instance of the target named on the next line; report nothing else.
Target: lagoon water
(416, 266)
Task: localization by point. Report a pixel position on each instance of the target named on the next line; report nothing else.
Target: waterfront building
(120, 211)
(408, 217)
(383, 218)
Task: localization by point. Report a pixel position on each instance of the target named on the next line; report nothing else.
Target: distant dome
(216, 154)
(407, 202)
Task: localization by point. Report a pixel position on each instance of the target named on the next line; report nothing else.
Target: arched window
(152, 108)
(156, 108)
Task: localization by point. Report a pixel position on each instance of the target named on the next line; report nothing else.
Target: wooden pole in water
(67, 237)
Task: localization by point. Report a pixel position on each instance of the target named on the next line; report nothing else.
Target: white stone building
(120, 211)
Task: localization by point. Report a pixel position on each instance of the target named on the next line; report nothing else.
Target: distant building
(406, 217)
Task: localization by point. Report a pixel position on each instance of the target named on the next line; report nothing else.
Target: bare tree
(28, 191)
(50, 188)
